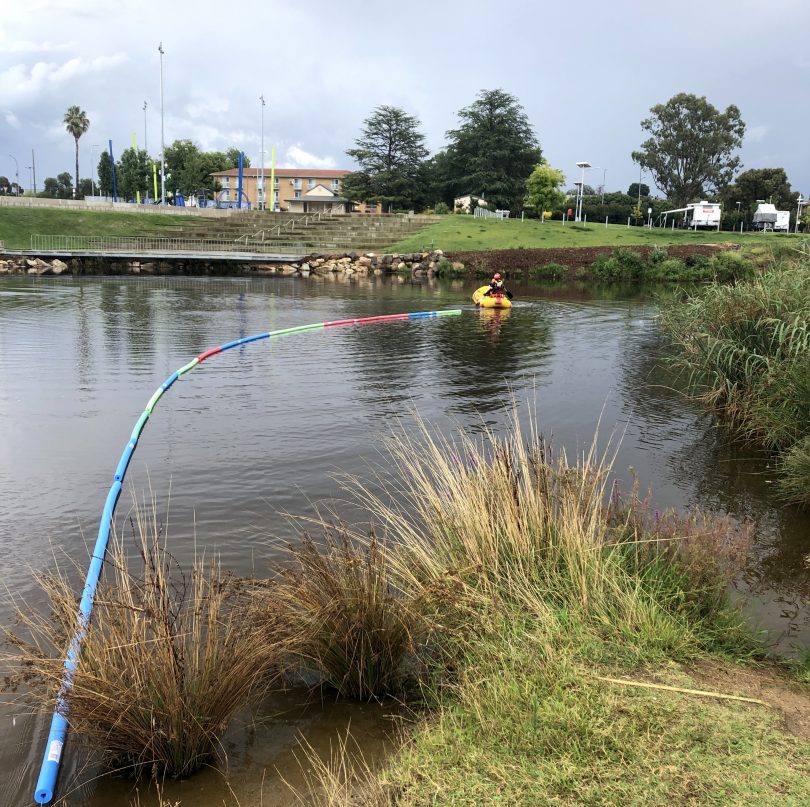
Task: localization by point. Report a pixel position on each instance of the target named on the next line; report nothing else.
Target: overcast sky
(586, 73)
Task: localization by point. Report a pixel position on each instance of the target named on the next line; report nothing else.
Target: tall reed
(746, 350)
(167, 658)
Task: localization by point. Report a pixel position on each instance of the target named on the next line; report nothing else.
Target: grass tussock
(166, 660)
(746, 349)
(347, 624)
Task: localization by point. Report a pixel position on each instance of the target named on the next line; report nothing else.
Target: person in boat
(496, 287)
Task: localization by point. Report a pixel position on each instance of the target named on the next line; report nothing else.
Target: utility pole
(162, 146)
(263, 205)
(34, 170)
(145, 143)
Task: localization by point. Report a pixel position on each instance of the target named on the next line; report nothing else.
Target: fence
(483, 213)
(145, 244)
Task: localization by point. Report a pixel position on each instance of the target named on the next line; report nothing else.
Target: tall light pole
(145, 144)
(263, 205)
(30, 177)
(17, 173)
(604, 178)
(162, 148)
(583, 165)
(798, 211)
(34, 170)
(93, 168)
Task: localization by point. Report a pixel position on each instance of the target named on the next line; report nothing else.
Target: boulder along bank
(514, 262)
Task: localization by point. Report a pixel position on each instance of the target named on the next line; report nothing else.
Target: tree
(76, 124)
(105, 174)
(638, 189)
(543, 188)
(769, 184)
(189, 170)
(5, 186)
(390, 152)
(494, 150)
(690, 151)
(132, 173)
(86, 187)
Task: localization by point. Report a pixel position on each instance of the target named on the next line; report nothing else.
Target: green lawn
(456, 233)
(17, 225)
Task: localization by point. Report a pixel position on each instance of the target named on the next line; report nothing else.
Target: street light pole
(604, 176)
(798, 210)
(30, 177)
(162, 147)
(583, 165)
(263, 205)
(93, 168)
(16, 174)
(34, 170)
(145, 144)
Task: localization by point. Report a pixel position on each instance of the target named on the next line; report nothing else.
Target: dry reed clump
(345, 779)
(166, 661)
(512, 523)
(351, 627)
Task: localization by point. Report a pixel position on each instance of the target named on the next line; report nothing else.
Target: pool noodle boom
(46, 784)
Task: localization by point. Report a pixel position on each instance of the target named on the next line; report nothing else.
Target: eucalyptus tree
(690, 151)
(76, 123)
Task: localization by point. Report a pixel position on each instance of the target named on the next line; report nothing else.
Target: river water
(265, 428)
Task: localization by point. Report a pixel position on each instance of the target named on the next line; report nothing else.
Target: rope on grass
(701, 692)
(46, 784)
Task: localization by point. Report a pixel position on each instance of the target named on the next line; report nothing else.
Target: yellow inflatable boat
(492, 301)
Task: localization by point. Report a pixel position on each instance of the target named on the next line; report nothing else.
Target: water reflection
(266, 427)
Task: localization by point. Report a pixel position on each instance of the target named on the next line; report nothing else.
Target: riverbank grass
(17, 225)
(464, 233)
(165, 662)
(746, 350)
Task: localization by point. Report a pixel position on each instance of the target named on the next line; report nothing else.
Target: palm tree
(76, 123)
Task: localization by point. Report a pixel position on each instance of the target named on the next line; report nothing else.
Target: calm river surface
(265, 428)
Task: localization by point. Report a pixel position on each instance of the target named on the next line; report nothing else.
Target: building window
(310, 184)
(335, 184)
(297, 184)
(224, 196)
(225, 181)
(297, 194)
(275, 182)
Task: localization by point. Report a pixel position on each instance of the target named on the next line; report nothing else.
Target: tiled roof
(303, 173)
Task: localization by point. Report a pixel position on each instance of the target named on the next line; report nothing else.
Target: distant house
(303, 190)
(464, 203)
(319, 199)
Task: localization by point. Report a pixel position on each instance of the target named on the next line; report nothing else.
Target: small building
(464, 203)
(319, 199)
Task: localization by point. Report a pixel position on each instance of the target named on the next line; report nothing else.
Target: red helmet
(496, 276)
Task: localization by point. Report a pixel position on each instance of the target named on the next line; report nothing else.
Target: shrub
(622, 264)
(668, 269)
(165, 662)
(728, 265)
(441, 209)
(554, 271)
(348, 624)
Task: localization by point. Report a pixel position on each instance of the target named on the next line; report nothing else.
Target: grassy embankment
(462, 233)
(515, 605)
(17, 225)
(746, 348)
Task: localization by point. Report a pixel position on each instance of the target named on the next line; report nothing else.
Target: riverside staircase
(246, 236)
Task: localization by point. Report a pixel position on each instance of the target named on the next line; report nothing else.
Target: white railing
(136, 244)
(483, 213)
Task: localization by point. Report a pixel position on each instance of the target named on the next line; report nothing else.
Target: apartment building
(297, 190)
